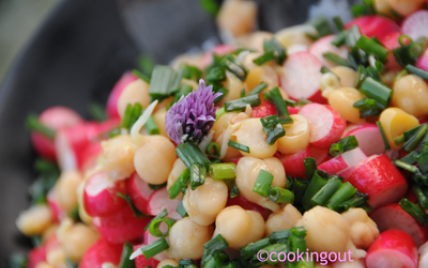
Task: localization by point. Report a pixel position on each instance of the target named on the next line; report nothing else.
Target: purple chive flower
(193, 116)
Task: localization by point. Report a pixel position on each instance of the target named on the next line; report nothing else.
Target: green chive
(415, 211)
(322, 25)
(266, 57)
(279, 102)
(219, 112)
(164, 81)
(155, 248)
(340, 39)
(154, 227)
(339, 23)
(345, 192)
(414, 141)
(299, 188)
(217, 243)
(128, 200)
(297, 239)
(277, 48)
(184, 91)
(241, 104)
(258, 89)
(375, 90)
(97, 112)
(35, 125)
(273, 134)
(281, 195)
(310, 167)
(423, 161)
(368, 107)
(211, 6)
(411, 158)
(417, 71)
(185, 262)
(385, 140)
(373, 73)
(216, 74)
(282, 247)
(421, 196)
(137, 110)
(371, 47)
(358, 200)
(234, 192)
(404, 165)
(251, 249)
(343, 145)
(197, 175)
(191, 72)
(142, 76)
(237, 69)
(181, 210)
(337, 59)
(238, 146)
(125, 262)
(151, 126)
(213, 149)
(155, 187)
(317, 182)
(181, 182)
(326, 192)
(223, 171)
(190, 154)
(161, 215)
(242, 93)
(263, 183)
(278, 236)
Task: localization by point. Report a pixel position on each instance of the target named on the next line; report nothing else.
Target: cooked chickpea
(248, 169)
(135, 92)
(117, 157)
(347, 76)
(82, 212)
(238, 226)
(176, 171)
(237, 16)
(252, 135)
(166, 262)
(296, 136)
(395, 122)
(328, 83)
(234, 87)
(382, 6)
(231, 153)
(49, 231)
(410, 94)
(326, 229)
(56, 257)
(363, 229)
(342, 101)
(34, 220)
(205, 202)
(405, 7)
(260, 74)
(66, 189)
(187, 239)
(282, 219)
(225, 120)
(154, 160)
(295, 35)
(75, 239)
(159, 117)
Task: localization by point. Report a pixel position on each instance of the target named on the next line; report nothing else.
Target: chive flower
(193, 116)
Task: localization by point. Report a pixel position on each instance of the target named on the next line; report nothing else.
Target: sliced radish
(100, 197)
(58, 212)
(416, 24)
(341, 162)
(324, 45)
(265, 109)
(371, 26)
(297, 70)
(422, 61)
(326, 125)
(142, 262)
(113, 99)
(90, 156)
(293, 110)
(219, 50)
(36, 256)
(101, 252)
(293, 164)
(369, 138)
(320, 155)
(149, 239)
(159, 200)
(392, 249)
(390, 41)
(380, 179)
(392, 216)
(139, 191)
(247, 205)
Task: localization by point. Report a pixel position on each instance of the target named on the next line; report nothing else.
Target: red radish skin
(320, 155)
(390, 42)
(392, 249)
(159, 200)
(101, 252)
(118, 88)
(142, 262)
(380, 179)
(100, 197)
(140, 192)
(411, 196)
(55, 118)
(326, 125)
(393, 217)
(90, 156)
(323, 45)
(415, 25)
(341, 162)
(298, 67)
(247, 205)
(422, 61)
(36, 255)
(220, 50)
(368, 136)
(58, 213)
(293, 164)
(371, 26)
(293, 110)
(265, 109)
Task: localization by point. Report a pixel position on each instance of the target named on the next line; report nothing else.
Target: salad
(309, 142)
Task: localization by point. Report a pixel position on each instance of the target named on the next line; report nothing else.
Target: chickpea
(296, 136)
(225, 120)
(66, 189)
(363, 229)
(347, 76)
(34, 220)
(56, 257)
(238, 226)
(248, 169)
(237, 16)
(409, 94)
(205, 202)
(166, 262)
(342, 101)
(260, 74)
(163, 104)
(176, 171)
(234, 87)
(328, 83)
(252, 135)
(154, 160)
(395, 122)
(82, 212)
(117, 157)
(135, 92)
(49, 231)
(231, 153)
(382, 6)
(282, 219)
(295, 35)
(187, 239)
(405, 7)
(159, 117)
(326, 229)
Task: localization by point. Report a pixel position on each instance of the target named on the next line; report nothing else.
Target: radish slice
(293, 164)
(141, 261)
(100, 197)
(140, 192)
(326, 125)
(392, 216)
(159, 200)
(380, 179)
(248, 205)
(99, 253)
(320, 155)
(297, 70)
(416, 25)
(392, 249)
(390, 42)
(265, 109)
(90, 156)
(369, 138)
(118, 88)
(36, 256)
(341, 162)
(324, 45)
(371, 26)
(422, 61)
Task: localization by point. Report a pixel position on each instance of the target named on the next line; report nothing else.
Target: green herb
(211, 6)
(146, 64)
(181, 210)
(234, 192)
(278, 236)
(279, 102)
(213, 149)
(197, 175)
(364, 9)
(385, 140)
(181, 182)
(413, 141)
(232, 66)
(263, 183)
(343, 145)
(266, 57)
(252, 249)
(371, 47)
(415, 211)
(125, 262)
(97, 112)
(281, 195)
(326, 192)
(154, 227)
(421, 195)
(216, 74)
(238, 146)
(154, 248)
(142, 76)
(48, 173)
(35, 125)
(368, 107)
(155, 187)
(71, 264)
(258, 89)
(337, 59)
(319, 179)
(277, 49)
(217, 243)
(322, 25)
(191, 72)
(128, 200)
(190, 154)
(241, 104)
(345, 192)
(165, 80)
(375, 90)
(219, 112)
(358, 200)
(310, 167)
(223, 171)
(74, 214)
(339, 23)
(408, 51)
(340, 39)
(417, 71)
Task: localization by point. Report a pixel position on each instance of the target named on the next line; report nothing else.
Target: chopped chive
(237, 69)
(358, 200)
(319, 179)
(297, 239)
(216, 74)
(266, 57)
(219, 112)
(126, 120)
(368, 107)
(417, 71)
(371, 47)
(399, 140)
(258, 89)
(343, 145)
(421, 196)
(263, 183)
(185, 262)
(274, 133)
(155, 248)
(242, 94)
(35, 125)
(375, 90)
(136, 113)
(279, 102)
(142, 76)
(125, 262)
(238, 146)
(155, 187)
(161, 215)
(310, 167)
(322, 25)
(217, 243)
(97, 112)
(181, 182)
(154, 227)
(164, 81)
(184, 91)
(223, 171)
(241, 104)
(234, 192)
(353, 36)
(411, 158)
(191, 72)
(151, 126)
(415, 211)
(327, 191)
(251, 249)
(423, 161)
(211, 6)
(340, 39)
(197, 175)
(337, 59)
(385, 140)
(181, 210)
(299, 187)
(128, 200)
(406, 166)
(345, 192)
(282, 235)
(339, 23)
(69, 264)
(414, 140)
(213, 149)
(281, 195)
(373, 73)
(190, 154)
(277, 48)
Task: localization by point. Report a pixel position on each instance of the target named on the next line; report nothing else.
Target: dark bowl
(77, 55)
